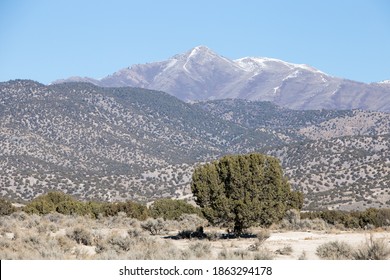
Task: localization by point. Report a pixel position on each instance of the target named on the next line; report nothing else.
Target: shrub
(383, 217)
(64, 243)
(71, 207)
(56, 197)
(134, 233)
(132, 209)
(293, 216)
(44, 204)
(171, 209)
(67, 205)
(80, 235)
(191, 221)
(302, 256)
(368, 218)
(6, 207)
(39, 206)
(373, 250)
(264, 254)
(95, 209)
(54, 217)
(262, 236)
(154, 226)
(200, 249)
(120, 243)
(286, 250)
(334, 250)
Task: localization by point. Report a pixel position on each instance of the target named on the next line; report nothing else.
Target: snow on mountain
(202, 74)
(264, 63)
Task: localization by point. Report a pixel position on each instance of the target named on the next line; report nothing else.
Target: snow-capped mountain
(202, 74)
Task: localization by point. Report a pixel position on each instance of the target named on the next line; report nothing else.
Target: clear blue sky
(45, 40)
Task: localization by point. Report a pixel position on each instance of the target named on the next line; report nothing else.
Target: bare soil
(302, 243)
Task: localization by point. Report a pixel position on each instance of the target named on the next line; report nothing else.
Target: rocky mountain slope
(79, 136)
(299, 125)
(358, 123)
(201, 74)
(340, 173)
(132, 143)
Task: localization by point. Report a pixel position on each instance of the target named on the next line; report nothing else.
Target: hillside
(341, 173)
(105, 142)
(131, 143)
(357, 123)
(298, 125)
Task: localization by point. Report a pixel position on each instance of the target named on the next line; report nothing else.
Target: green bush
(355, 219)
(71, 207)
(132, 209)
(383, 217)
(39, 206)
(67, 205)
(368, 217)
(95, 209)
(6, 207)
(56, 197)
(170, 209)
(44, 204)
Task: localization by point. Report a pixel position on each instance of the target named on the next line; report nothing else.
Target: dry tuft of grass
(335, 250)
(57, 236)
(373, 249)
(286, 250)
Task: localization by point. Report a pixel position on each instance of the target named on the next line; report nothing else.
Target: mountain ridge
(202, 74)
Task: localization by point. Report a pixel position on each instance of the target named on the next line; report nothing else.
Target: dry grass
(335, 250)
(55, 236)
(373, 249)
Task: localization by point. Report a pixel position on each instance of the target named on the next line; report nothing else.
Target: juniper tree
(240, 191)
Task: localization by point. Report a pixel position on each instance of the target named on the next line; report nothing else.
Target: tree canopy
(240, 191)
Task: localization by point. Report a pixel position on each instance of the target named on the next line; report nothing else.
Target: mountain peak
(201, 51)
(202, 74)
(202, 48)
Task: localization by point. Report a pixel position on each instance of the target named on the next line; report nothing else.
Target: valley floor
(302, 243)
(56, 236)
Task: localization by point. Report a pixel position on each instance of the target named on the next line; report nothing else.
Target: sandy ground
(301, 242)
(309, 241)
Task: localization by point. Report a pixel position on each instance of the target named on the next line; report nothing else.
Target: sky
(46, 40)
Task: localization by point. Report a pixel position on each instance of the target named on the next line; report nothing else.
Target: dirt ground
(302, 243)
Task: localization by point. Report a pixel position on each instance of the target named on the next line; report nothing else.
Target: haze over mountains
(201, 74)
